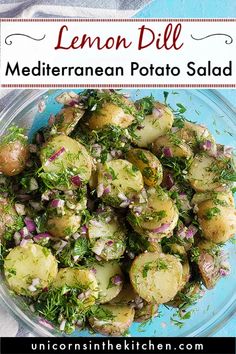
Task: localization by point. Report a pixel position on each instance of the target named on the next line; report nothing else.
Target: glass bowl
(203, 106)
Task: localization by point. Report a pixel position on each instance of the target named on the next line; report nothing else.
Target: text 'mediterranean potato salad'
(113, 209)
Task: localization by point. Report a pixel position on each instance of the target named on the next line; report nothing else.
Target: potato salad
(113, 209)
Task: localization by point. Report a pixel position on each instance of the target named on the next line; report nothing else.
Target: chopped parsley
(211, 212)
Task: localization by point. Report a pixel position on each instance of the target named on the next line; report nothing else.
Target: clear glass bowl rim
(17, 101)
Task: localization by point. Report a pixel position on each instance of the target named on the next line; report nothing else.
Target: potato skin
(154, 126)
(118, 325)
(153, 283)
(110, 114)
(218, 222)
(63, 225)
(67, 119)
(192, 134)
(23, 264)
(13, 158)
(148, 164)
(147, 312)
(160, 210)
(200, 176)
(178, 148)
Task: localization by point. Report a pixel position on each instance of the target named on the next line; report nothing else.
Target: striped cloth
(70, 8)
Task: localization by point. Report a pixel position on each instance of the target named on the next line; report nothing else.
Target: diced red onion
(55, 155)
(87, 293)
(76, 236)
(206, 145)
(157, 113)
(76, 180)
(117, 280)
(46, 323)
(224, 272)
(17, 238)
(162, 228)
(98, 247)
(169, 181)
(24, 232)
(30, 224)
(32, 288)
(76, 258)
(107, 190)
(228, 151)
(167, 152)
(97, 149)
(94, 270)
(137, 210)
(182, 232)
(191, 231)
(57, 203)
(24, 242)
(110, 243)
(42, 235)
(20, 209)
(33, 185)
(35, 281)
(98, 258)
(62, 325)
(122, 196)
(125, 204)
(84, 229)
(100, 190)
(81, 296)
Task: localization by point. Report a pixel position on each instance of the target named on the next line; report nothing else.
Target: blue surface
(196, 9)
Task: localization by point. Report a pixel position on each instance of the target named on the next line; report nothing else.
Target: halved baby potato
(13, 157)
(107, 236)
(81, 278)
(156, 277)
(148, 164)
(119, 181)
(109, 278)
(29, 269)
(217, 220)
(154, 125)
(158, 217)
(63, 225)
(65, 162)
(194, 134)
(204, 173)
(111, 114)
(67, 119)
(175, 146)
(121, 319)
(226, 197)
